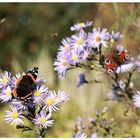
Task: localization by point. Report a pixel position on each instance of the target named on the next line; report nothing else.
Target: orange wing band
(14, 92)
(18, 81)
(22, 98)
(29, 74)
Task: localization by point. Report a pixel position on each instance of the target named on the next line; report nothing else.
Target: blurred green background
(30, 35)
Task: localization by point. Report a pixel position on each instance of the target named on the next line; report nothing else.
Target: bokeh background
(30, 35)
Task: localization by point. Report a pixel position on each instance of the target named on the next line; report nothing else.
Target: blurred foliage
(30, 35)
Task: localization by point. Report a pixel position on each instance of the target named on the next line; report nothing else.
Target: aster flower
(6, 94)
(50, 103)
(136, 99)
(87, 53)
(14, 117)
(78, 41)
(137, 63)
(38, 94)
(79, 123)
(82, 80)
(98, 37)
(115, 36)
(80, 134)
(125, 67)
(61, 97)
(104, 122)
(40, 82)
(76, 57)
(19, 104)
(81, 25)
(66, 46)
(61, 64)
(5, 79)
(43, 120)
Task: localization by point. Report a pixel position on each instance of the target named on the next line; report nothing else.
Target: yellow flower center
(92, 66)
(37, 93)
(82, 24)
(15, 115)
(43, 120)
(8, 93)
(4, 80)
(86, 54)
(112, 40)
(75, 57)
(49, 102)
(79, 41)
(98, 38)
(64, 63)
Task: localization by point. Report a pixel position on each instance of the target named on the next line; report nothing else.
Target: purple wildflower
(61, 97)
(66, 46)
(125, 67)
(5, 79)
(40, 82)
(98, 37)
(104, 122)
(6, 94)
(43, 120)
(81, 25)
(50, 102)
(80, 134)
(78, 41)
(62, 63)
(87, 53)
(82, 80)
(14, 117)
(38, 94)
(19, 104)
(115, 36)
(79, 123)
(76, 56)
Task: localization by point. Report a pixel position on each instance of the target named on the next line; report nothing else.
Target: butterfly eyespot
(118, 52)
(109, 71)
(107, 62)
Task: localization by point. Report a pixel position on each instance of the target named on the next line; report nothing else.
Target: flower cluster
(37, 109)
(98, 126)
(83, 49)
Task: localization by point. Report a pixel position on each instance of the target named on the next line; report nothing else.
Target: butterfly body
(26, 84)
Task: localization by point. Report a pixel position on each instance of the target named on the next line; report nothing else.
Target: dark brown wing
(25, 87)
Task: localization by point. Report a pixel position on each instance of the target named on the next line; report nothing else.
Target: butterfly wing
(25, 87)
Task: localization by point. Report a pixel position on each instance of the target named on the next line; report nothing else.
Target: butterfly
(115, 59)
(26, 84)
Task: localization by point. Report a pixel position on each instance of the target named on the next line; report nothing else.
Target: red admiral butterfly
(26, 84)
(115, 59)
